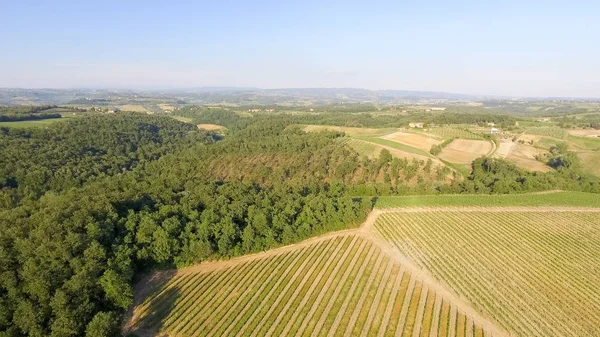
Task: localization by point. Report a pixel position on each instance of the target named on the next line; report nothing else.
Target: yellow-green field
(350, 131)
(339, 286)
(34, 123)
(534, 271)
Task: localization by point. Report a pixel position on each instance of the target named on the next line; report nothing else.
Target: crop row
(344, 286)
(533, 272)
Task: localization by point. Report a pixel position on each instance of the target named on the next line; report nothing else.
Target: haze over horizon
(518, 48)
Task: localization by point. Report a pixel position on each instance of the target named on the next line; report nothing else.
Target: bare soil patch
(464, 151)
(418, 141)
(529, 138)
(504, 149)
(524, 157)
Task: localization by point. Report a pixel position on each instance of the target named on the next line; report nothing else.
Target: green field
(34, 123)
(580, 199)
(448, 132)
(548, 131)
(532, 270)
(396, 145)
(340, 286)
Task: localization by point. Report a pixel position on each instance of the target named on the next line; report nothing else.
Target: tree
(116, 288)
(104, 324)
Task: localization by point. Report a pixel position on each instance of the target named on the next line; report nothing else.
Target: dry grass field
(418, 141)
(523, 156)
(132, 107)
(585, 133)
(504, 149)
(210, 127)
(350, 131)
(166, 107)
(590, 162)
(464, 151)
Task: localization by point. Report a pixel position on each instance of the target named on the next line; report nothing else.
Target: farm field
(523, 156)
(133, 107)
(556, 198)
(364, 148)
(210, 127)
(590, 162)
(33, 123)
(183, 119)
(448, 132)
(343, 285)
(548, 132)
(504, 149)
(464, 151)
(416, 140)
(532, 270)
(350, 131)
(389, 144)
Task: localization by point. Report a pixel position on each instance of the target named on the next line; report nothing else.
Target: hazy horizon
(514, 49)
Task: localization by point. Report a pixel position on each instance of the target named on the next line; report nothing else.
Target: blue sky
(519, 48)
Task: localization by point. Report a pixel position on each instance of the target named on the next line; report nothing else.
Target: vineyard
(448, 132)
(548, 132)
(535, 272)
(344, 285)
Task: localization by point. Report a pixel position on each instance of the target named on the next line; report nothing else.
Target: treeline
(437, 149)
(229, 118)
(498, 176)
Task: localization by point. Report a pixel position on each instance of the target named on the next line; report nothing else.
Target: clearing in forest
(350, 131)
(533, 270)
(133, 107)
(210, 127)
(464, 151)
(416, 140)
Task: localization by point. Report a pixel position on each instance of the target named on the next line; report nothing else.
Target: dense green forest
(89, 204)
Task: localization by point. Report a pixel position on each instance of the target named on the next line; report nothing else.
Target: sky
(511, 47)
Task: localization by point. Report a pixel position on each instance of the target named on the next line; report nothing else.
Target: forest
(90, 204)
